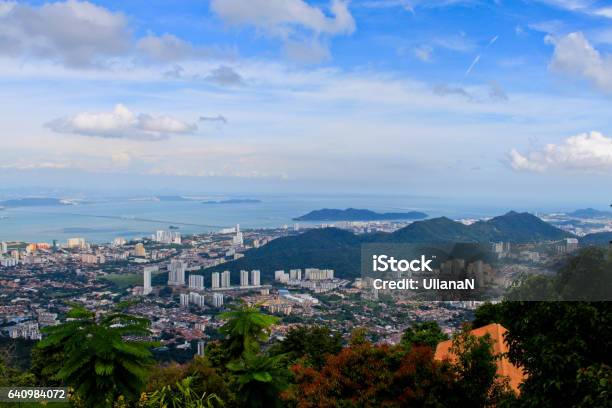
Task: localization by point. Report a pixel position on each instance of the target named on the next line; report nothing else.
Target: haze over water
(101, 220)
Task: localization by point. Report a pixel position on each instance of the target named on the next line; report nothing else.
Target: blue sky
(487, 100)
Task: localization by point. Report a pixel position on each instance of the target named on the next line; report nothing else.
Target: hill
(590, 213)
(354, 214)
(597, 238)
(341, 250)
(318, 248)
(518, 227)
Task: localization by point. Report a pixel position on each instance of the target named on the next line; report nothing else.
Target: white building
(176, 272)
(184, 300)
(215, 280)
(196, 282)
(76, 243)
(244, 278)
(146, 285)
(295, 274)
(217, 299)
(225, 279)
(166, 237)
(318, 274)
(255, 277)
(119, 241)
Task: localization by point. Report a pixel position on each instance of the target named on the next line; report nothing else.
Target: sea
(100, 220)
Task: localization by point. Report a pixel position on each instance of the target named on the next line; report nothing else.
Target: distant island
(35, 202)
(590, 213)
(233, 201)
(354, 214)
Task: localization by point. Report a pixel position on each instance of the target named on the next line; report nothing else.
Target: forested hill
(340, 250)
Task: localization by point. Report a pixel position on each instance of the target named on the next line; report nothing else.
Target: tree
(486, 314)
(180, 395)
(565, 348)
(101, 358)
(245, 328)
(260, 379)
(478, 381)
(311, 344)
(426, 334)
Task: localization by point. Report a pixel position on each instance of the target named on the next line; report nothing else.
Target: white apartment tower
(215, 280)
(244, 278)
(225, 279)
(255, 277)
(146, 281)
(176, 272)
(196, 282)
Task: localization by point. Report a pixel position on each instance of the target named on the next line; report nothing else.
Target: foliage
(245, 328)
(311, 345)
(260, 379)
(423, 334)
(179, 395)
(100, 358)
(476, 368)
(564, 347)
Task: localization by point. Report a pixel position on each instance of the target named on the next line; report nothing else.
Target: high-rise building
(238, 238)
(117, 242)
(76, 243)
(295, 274)
(318, 274)
(176, 272)
(196, 282)
(139, 250)
(217, 299)
(225, 279)
(184, 300)
(166, 237)
(255, 277)
(215, 280)
(147, 281)
(244, 278)
(3, 248)
(201, 347)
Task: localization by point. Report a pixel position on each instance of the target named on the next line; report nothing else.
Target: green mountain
(597, 238)
(517, 227)
(354, 214)
(326, 248)
(341, 250)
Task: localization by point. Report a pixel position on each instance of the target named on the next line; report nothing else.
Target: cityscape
(305, 203)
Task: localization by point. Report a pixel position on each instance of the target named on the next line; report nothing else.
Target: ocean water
(102, 220)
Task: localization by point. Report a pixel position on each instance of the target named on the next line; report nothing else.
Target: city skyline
(446, 98)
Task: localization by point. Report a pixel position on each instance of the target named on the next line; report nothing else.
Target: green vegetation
(426, 334)
(565, 349)
(341, 250)
(96, 358)
(123, 280)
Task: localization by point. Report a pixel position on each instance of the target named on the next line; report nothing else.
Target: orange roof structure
(504, 367)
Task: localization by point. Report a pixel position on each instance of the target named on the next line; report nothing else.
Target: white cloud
(604, 12)
(73, 33)
(167, 48)
(224, 76)
(298, 24)
(121, 123)
(284, 16)
(586, 152)
(576, 56)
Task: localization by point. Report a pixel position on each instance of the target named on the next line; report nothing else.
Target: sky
(482, 100)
